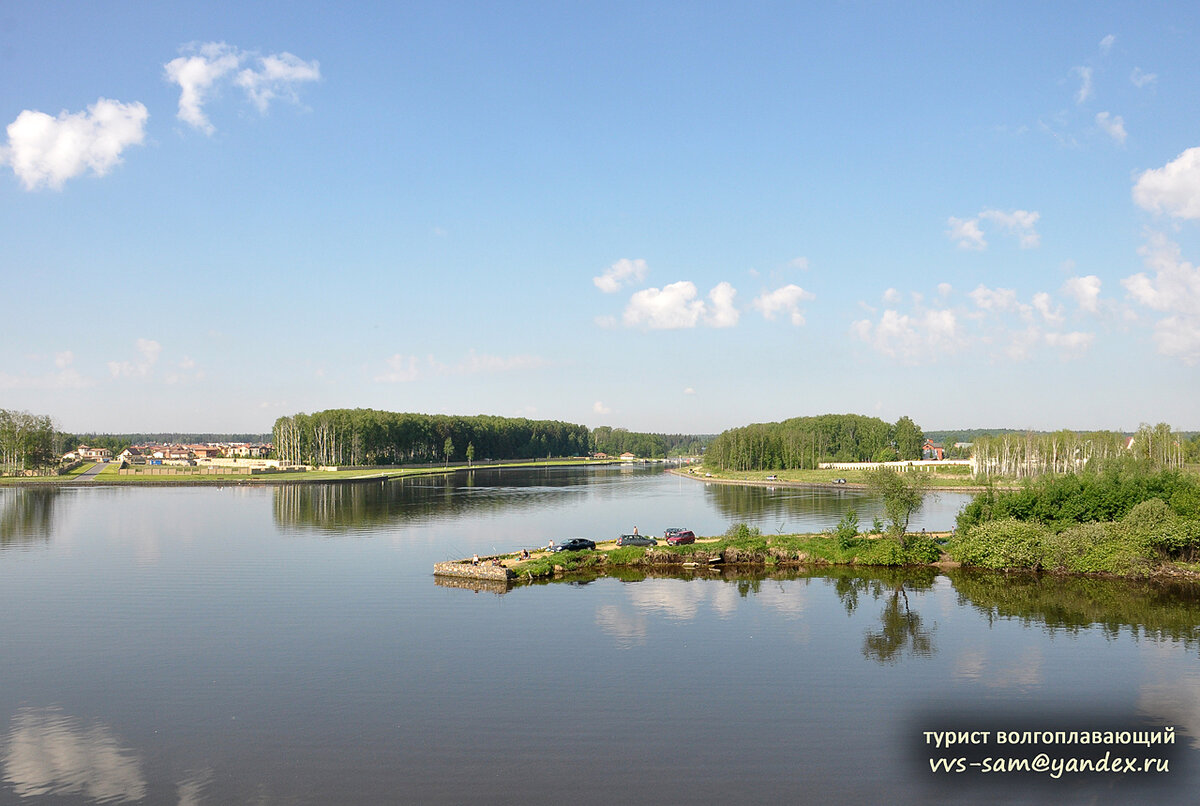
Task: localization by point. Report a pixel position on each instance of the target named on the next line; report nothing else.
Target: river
(290, 645)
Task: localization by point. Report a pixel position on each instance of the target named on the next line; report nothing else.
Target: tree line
(804, 442)
(616, 441)
(370, 437)
(28, 442)
(1033, 454)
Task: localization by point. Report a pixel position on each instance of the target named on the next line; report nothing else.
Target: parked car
(574, 544)
(678, 537)
(636, 540)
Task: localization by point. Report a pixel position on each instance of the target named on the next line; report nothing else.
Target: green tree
(908, 438)
(448, 448)
(902, 493)
(470, 453)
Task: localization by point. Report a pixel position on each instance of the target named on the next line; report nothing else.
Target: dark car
(677, 537)
(636, 540)
(574, 544)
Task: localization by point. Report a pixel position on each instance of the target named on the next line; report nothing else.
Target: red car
(678, 537)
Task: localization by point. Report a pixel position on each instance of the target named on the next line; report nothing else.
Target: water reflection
(26, 516)
(359, 506)
(51, 753)
(1151, 609)
(793, 507)
(900, 629)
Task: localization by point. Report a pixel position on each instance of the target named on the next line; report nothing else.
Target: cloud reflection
(628, 629)
(52, 753)
(682, 599)
(1175, 704)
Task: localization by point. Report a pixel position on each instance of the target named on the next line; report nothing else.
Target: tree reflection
(900, 629)
(25, 516)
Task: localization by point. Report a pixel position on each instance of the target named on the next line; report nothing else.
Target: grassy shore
(741, 546)
(111, 477)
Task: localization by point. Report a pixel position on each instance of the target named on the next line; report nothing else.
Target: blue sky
(667, 217)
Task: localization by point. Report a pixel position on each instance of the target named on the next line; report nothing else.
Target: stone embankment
(466, 569)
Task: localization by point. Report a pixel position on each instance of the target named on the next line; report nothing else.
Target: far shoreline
(346, 476)
(827, 485)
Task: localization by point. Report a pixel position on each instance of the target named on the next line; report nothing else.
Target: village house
(87, 454)
(933, 450)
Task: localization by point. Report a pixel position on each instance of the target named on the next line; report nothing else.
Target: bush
(847, 529)
(1000, 544)
(915, 550)
(1096, 548)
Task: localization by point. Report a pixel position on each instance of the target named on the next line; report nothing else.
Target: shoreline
(806, 551)
(348, 476)
(827, 485)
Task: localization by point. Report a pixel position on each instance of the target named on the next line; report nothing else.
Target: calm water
(289, 645)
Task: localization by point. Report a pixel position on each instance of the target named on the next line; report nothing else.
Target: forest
(616, 441)
(1029, 455)
(28, 442)
(804, 442)
(370, 437)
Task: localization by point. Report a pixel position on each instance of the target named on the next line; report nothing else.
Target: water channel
(290, 645)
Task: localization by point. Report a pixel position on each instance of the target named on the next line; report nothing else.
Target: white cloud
(401, 369)
(944, 289)
(721, 312)
(276, 77)
(784, 300)
(1140, 78)
(1113, 126)
(1085, 291)
(1042, 304)
(1085, 83)
(1018, 222)
(619, 273)
(1173, 189)
(1072, 343)
(196, 76)
(204, 67)
(600, 408)
(999, 299)
(1173, 290)
(966, 233)
(43, 150)
(800, 263)
(149, 350)
(925, 336)
(969, 235)
(689, 391)
(65, 378)
(675, 306)
(997, 321)
(1106, 43)
(891, 296)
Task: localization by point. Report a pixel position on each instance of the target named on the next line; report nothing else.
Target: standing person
(635, 531)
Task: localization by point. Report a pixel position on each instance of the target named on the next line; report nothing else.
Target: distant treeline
(370, 437)
(948, 438)
(119, 442)
(804, 442)
(616, 441)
